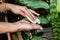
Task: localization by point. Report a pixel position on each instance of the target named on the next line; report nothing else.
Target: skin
(20, 25)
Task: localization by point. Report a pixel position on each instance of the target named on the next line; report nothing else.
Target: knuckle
(18, 11)
(30, 28)
(25, 7)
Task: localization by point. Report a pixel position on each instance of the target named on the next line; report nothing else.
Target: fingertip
(38, 14)
(40, 27)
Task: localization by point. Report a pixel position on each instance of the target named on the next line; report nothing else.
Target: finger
(22, 13)
(37, 26)
(28, 14)
(32, 15)
(34, 12)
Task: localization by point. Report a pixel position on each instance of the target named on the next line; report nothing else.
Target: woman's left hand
(22, 10)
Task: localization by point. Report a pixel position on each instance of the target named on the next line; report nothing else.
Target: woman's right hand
(25, 25)
(18, 26)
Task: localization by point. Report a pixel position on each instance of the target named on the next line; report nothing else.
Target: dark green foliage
(33, 4)
(25, 37)
(44, 20)
(55, 20)
(54, 15)
(36, 4)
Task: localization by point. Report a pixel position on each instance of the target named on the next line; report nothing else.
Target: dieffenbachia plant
(44, 19)
(33, 4)
(36, 4)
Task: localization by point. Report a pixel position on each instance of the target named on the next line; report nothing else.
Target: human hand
(22, 10)
(18, 26)
(25, 25)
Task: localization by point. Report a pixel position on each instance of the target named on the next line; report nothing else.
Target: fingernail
(38, 14)
(41, 28)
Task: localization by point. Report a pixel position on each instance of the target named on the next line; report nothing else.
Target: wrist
(12, 27)
(18, 26)
(2, 7)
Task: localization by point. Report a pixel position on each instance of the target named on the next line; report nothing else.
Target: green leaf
(44, 20)
(33, 4)
(37, 38)
(58, 5)
(54, 7)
